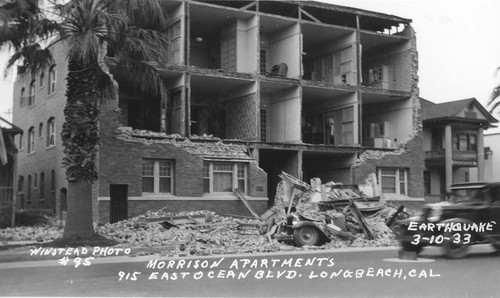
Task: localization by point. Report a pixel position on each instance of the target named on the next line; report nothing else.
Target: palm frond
(32, 59)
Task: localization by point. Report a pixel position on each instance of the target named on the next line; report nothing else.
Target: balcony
(459, 158)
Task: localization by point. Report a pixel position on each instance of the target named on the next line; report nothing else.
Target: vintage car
(470, 215)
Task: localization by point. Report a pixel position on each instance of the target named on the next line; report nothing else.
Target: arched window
(31, 140)
(20, 184)
(52, 181)
(31, 96)
(21, 141)
(52, 79)
(51, 132)
(40, 130)
(28, 189)
(42, 79)
(22, 96)
(42, 186)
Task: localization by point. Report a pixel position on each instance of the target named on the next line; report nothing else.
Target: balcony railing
(456, 155)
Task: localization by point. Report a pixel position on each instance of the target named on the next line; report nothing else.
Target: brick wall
(120, 162)
(44, 159)
(410, 157)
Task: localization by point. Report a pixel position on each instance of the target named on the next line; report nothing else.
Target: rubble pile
(36, 233)
(213, 234)
(335, 209)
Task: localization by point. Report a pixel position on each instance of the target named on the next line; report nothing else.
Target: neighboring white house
(493, 141)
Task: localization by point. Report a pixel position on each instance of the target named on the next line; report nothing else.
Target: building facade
(255, 88)
(8, 174)
(492, 141)
(454, 145)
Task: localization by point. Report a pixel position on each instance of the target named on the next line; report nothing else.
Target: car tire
(397, 230)
(454, 250)
(306, 236)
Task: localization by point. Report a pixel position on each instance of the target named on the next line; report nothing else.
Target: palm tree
(131, 31)
(493, 102)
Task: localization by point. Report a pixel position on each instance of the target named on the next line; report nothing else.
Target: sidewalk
(20, 251)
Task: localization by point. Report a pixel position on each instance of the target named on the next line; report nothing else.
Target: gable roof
(451, 109)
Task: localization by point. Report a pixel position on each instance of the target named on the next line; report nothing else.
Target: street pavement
(365, 272)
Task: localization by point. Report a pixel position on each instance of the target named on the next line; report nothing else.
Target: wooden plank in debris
(247, 204)
(297, 183)
(361, 220)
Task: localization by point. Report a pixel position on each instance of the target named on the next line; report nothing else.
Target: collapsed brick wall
(220, 207)
(242, 118)
(120, 162)
(411, 154)
(410, 157)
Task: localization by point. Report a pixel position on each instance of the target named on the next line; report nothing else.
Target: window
(21, 143)
(31, 95)
(224, 177)
(31, 140)
(28, 189)
(53, 181)
(465, 142)
(427, 182)
(42, 186)
(157, 176)
(52, 79)
(40, 130)
(42, 79)
(263, 61)
(21, 97)
(393, 180)
(263, 125)
(51, 132)
(20, 184)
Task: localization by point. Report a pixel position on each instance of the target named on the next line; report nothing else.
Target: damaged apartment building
(255, 88)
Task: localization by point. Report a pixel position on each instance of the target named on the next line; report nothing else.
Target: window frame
(157, 176)
(31, 140)
(208, 177)
(400, 180)
(52, 80)
(32, 93)
(51, 132)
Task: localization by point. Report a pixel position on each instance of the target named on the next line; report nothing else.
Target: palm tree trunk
(79, 222)
(80, 139)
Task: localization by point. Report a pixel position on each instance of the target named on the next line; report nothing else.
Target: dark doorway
(274, 162)
(119, 202)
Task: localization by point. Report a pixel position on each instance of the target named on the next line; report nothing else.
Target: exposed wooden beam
(309, 15)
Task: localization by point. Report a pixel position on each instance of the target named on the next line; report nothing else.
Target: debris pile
(35, 233)
(331, 214)
(191, 233)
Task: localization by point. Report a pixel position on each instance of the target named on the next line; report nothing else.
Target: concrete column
(480, 155)
(448, 153)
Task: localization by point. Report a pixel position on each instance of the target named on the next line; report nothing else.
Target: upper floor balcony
(459, 158)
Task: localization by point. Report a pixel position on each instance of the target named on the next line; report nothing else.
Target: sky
(458, 44)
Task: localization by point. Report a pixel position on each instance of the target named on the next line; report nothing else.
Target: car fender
(301, 224)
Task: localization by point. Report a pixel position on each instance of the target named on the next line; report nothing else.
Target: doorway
(118, 203)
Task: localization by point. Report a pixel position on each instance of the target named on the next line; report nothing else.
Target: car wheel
(455, 250)
(397, 230)
(306, 236)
